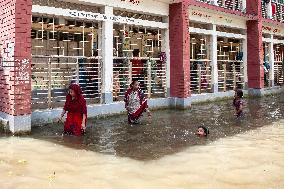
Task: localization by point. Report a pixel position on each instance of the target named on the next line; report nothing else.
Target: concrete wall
(48, 116)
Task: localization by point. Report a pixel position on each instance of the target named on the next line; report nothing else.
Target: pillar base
(271, 83)
(168, 92)
(16, 124)
(180, 103)
(107, 98)
(246, 86)
(255, 92)
(214, 88)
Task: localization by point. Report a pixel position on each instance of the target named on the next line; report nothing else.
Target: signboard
(96, 16)
(271, 30)
(216, 18)
(136, 2)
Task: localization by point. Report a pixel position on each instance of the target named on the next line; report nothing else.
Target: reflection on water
(246, 153)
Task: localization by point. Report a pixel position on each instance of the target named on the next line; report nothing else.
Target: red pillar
(179, 49)
(254, 46)
(15, 67)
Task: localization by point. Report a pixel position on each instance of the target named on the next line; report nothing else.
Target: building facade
(176, 49)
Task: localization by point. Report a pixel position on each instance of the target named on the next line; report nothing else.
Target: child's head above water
(202, 131)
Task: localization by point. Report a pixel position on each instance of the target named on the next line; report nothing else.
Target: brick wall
(179, 48)
(255, 54)
(15, 56)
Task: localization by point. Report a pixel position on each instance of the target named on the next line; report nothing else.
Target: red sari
(76, 108)
(136, 104)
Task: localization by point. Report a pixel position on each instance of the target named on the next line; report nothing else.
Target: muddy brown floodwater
(160, 153)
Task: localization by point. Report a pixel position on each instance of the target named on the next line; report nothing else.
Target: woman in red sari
(76, 109)
(135, 102)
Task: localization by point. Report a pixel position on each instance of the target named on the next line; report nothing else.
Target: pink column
(15, 68)
(254, 46)
(179, 49)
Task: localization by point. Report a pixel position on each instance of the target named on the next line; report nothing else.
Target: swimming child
(238, 102)
(202, 131)
(135, 102)
(76, 109)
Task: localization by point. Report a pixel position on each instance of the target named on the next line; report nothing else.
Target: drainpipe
(166, 48)
(245, 61)
(269, 10)
(107, 57)
(214, 60)
(215, 2)
(244, 5)
(271, 62)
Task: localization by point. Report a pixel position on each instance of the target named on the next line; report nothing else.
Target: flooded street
(160, 153)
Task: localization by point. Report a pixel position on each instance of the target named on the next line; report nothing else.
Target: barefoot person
(76, 109)
(135, 102)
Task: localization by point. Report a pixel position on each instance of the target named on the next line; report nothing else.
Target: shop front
(98, 46)
(278, 64)
(273, 53)
(64, 51)
(217, 52)
(200, 64)
(139, 54)
(230, 64)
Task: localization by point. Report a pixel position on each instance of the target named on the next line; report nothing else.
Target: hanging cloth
(273, 5)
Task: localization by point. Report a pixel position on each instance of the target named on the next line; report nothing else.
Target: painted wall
(213, 17)
(269, 28)
(254, 45)
(179, 48)
(15, 49)
(146, 6)
(95, 16)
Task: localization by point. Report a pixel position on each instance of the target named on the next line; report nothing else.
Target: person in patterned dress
(135, 102)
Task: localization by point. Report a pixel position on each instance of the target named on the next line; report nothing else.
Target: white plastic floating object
(22, 161)
(51, 177)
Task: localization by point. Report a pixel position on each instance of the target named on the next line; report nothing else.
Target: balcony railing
(273, 10)
(238, 5)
